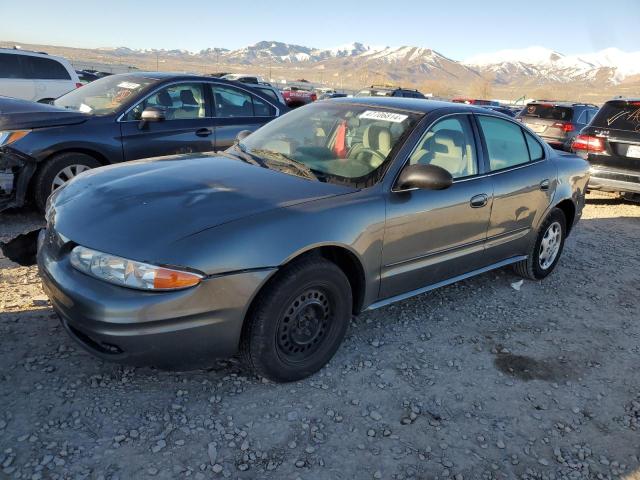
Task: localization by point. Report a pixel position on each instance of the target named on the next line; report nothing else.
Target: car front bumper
(614, 181)
(16, 170)
(178, 329)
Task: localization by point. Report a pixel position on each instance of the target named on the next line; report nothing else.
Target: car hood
(138, 209)
(16, 114)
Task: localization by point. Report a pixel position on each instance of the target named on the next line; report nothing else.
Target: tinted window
(45, 68)
(505, 143)
(269, 93)
(448, 144)
(183, 101)
(536, 152)
(548, 111)
(231, 102)
(10, 66)
(619, 115)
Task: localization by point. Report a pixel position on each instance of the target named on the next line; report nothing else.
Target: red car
(297, 96)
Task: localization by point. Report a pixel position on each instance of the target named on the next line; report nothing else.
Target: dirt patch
(527, 368)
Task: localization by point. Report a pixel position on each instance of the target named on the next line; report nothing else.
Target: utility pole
(157, 62)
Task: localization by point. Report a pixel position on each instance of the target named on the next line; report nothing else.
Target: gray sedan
(270, 247)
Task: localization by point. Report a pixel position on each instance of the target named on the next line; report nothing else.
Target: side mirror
(428, 177)
(242, 134)
(152, 114)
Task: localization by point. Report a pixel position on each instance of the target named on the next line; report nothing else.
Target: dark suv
(611, 144)
(387, 91)
(557, 122)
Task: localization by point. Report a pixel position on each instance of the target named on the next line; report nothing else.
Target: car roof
(418, 105)
(561, 103)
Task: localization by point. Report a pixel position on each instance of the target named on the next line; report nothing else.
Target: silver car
(270, 247)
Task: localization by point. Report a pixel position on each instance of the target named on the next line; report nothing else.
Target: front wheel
(299, 320)
(57, 171)
(547, 248)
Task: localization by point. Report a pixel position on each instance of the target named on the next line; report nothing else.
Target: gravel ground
(475, 380)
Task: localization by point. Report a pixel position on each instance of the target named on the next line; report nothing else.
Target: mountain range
(539, 64)
(508, 74)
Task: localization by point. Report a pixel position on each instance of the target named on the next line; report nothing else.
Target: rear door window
(619, 115)
(505, 141)
(231, 102)
(10, 66)
(45, 68)
(548, 112)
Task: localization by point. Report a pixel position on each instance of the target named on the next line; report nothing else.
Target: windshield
(338, 143)
(105, 95)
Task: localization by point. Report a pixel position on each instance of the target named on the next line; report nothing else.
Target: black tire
(298, 320)
(532, 268)
(42, 186)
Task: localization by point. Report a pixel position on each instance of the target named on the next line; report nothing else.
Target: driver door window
(448, 144)
(184, 101)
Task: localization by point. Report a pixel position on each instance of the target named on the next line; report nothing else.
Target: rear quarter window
(45, 69)
(619, 115)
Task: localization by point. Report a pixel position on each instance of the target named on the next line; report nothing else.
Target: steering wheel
(374, 153)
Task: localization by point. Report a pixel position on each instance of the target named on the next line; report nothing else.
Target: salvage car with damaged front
(268, 250)
(116, 119)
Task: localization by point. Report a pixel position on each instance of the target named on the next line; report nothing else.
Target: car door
(187, 127)
(435, 235)
(236, 109)
(523, 184)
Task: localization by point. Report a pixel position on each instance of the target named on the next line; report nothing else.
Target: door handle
(204, 132)
(478, 201)
(544, 184)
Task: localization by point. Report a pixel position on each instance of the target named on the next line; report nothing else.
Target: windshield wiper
(271, 157)
(242, 154)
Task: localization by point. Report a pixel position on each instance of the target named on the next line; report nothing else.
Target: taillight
(588, 143)
(78, 84)
(566, 127)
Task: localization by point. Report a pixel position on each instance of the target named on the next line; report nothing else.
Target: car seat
(447, 149)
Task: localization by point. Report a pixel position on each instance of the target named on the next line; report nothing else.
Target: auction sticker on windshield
(385, 116)
(129, 85)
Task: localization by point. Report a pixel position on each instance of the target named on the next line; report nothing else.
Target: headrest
(187, 98)
(164, 99)
(377, 137)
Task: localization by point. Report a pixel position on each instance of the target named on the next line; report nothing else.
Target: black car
(557, 123)
(388, 91)
(611, 144)
(119, 118)
(506, 111)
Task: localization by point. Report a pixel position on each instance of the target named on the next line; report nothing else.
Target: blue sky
(456, 28)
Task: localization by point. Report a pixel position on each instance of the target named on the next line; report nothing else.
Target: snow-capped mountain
(360, 63)
(551, 66)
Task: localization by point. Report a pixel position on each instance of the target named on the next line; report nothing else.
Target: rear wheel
(59, 170)
(298, 321)
(547, 248)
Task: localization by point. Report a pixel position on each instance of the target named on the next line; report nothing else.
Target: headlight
(129, 273)
(7, 137)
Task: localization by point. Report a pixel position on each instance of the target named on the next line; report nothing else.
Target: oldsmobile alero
(270, 247)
